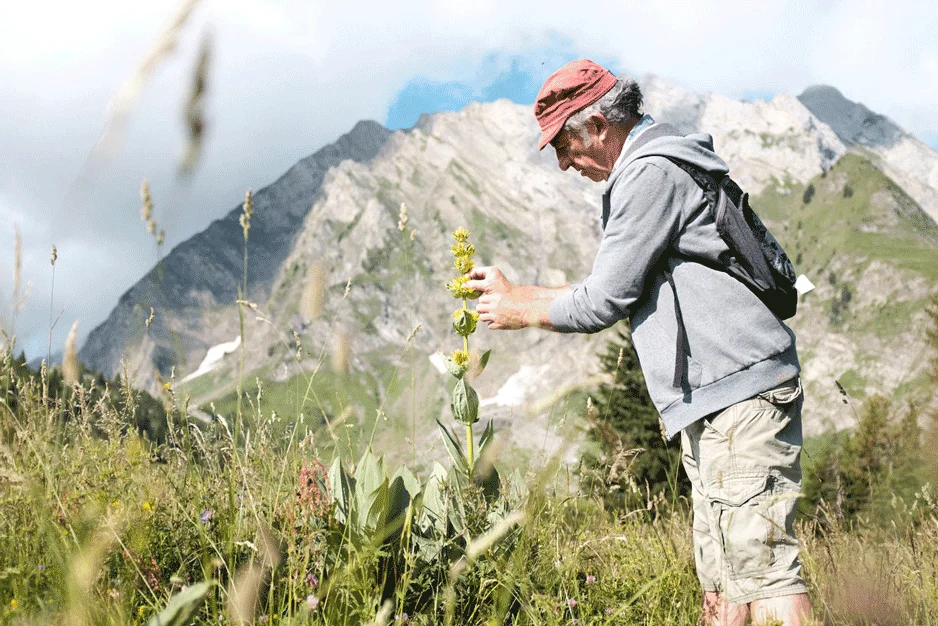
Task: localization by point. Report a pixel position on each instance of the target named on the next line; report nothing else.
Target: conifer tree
(624, 420)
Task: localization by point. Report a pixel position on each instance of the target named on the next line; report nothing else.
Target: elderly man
(721, 367)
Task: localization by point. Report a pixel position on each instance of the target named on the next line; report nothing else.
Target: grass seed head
(70, 366)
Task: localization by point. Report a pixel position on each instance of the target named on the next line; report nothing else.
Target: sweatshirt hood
(695, 149)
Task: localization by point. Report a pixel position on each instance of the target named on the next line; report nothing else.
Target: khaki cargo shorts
(744, 466)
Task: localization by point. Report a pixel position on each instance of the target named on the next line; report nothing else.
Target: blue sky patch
(517, 77)
(756, 94)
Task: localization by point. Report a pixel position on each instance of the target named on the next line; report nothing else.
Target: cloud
(291, 75)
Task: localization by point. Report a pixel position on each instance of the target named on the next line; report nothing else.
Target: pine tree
(625, 420)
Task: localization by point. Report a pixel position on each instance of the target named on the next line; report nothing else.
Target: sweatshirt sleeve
(644, 217)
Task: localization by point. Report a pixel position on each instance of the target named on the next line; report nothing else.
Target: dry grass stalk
(129, 92)
(248, 584)
(195, 113)
(314, 293)
(70, 367)
(341, 352)
(17, 267)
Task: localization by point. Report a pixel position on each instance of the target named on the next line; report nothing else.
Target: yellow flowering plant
(465, 400)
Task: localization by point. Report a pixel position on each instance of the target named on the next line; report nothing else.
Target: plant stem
(470, 452)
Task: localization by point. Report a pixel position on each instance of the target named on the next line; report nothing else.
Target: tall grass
(98, 525)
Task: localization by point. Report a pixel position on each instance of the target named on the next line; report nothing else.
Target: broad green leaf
(182, 605)
(411, 482)
(465, 403)
(518, 489)
(373, 515)
(454, 448)
(342, 487)
(433, 513)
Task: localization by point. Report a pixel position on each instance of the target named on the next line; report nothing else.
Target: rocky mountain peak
(852, 121)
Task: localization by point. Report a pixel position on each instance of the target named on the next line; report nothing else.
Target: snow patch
(213, 357)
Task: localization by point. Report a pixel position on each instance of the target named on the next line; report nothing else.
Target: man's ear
(600, 125)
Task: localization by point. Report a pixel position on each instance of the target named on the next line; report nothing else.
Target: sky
(288, 76)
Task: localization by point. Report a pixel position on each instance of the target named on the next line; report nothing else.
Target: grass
(101, 526)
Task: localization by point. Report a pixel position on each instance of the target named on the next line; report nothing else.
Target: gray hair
(619, 105)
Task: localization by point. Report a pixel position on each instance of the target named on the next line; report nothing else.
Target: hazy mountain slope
(205, 271)
(873, 253)
(905, 159)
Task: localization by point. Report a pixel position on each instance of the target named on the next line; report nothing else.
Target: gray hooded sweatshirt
(658, 218)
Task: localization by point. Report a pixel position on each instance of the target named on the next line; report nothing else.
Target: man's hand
(496, 307)
(504, 306)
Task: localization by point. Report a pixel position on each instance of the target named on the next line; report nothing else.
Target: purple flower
(263, 619)
(41, 567)
(571, 602)
(311, 579)
(590, 579)
(608, 611)
(312, 602)
(206, 516)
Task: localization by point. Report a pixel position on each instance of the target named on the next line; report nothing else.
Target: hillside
(873, 254)
(479, 168)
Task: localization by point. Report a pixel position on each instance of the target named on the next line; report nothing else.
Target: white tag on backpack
(803, 285)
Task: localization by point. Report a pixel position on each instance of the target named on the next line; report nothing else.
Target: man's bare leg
(793, 610)
(717, 612)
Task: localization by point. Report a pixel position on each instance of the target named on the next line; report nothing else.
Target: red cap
(572, 88)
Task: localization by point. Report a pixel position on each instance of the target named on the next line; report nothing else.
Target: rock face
(205, 271)
(332, 226)
(902, 157)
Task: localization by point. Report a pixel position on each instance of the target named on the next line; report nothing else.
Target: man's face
(586, 157)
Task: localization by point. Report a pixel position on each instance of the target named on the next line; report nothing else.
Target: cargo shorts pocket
(742, 514)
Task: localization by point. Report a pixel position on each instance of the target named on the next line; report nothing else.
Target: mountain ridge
(478, 168)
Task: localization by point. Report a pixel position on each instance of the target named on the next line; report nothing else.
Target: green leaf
(465, 324)
(486, 438)
(411, 482)
(342, 487)
(465, 403)
(182, 605)
(433, 514)
(454, 448)
(484, 360)
(456, 370)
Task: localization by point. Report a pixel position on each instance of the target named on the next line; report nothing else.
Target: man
(736, 400)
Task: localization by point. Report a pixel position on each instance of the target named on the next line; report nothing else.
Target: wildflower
(461, 235)
(571, 602)
(609, 611)
(14, 604)
(312, 602)
(402, 618)
(460, 358)
(263, 619)
(41, 567)
(141, 610)
(590, 579)
(457, 288)
(311, 579)
(55, 254)
(206, 516)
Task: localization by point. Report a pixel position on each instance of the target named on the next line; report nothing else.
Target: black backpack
(755, 257)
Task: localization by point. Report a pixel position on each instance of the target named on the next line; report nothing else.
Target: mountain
(910, 163)
(199, 279)
(333, 237)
